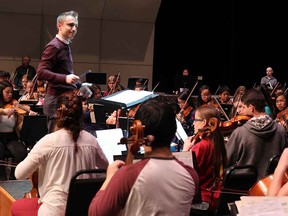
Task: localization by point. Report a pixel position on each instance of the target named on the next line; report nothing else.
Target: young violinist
(186, 114)
(204, 97)
(157, 185)
(224, 95)
(282, 115)
(9, 139)
(208, 146)
(260, 138)
(57, 156)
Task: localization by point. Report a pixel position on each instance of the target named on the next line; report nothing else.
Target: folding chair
(83, 186)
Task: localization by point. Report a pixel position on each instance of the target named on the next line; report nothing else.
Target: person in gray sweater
(258, 139)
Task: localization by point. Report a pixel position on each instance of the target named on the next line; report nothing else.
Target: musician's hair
(217, 139)
(65, 14)
(159, 120)
(70, 115)
(4, 84)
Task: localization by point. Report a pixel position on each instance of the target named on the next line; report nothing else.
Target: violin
(21, 109)
(184, 113)
(283, 118)
(227, 127)
(204, 132)
(135, 141)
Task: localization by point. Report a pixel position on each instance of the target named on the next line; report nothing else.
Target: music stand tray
(123, 100)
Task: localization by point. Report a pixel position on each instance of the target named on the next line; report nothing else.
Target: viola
(205, 131)
(227, 127)
(135, 141)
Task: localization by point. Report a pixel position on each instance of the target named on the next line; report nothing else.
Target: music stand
(97, 78)
(33, 129)
(123, 100)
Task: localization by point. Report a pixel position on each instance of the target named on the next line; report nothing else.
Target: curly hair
(70, 115)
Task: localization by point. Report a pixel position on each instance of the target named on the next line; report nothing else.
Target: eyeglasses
(280, 101)
(205, 95)
(197, 120)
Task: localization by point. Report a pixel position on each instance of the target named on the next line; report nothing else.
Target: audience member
(131, 187)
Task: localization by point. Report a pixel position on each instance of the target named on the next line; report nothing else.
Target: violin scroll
(135, 141)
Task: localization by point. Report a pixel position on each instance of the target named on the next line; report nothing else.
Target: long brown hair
(70, 115)
(217, 139)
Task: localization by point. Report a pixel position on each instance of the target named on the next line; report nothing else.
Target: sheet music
(185, 157)
(262, 206)
(130, 97)
(108, 140)
(180, 132)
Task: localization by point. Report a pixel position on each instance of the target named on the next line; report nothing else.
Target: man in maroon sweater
(56, 65)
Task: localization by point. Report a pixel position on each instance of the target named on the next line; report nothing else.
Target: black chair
(237, 181)
(273, 162)
(82, 190)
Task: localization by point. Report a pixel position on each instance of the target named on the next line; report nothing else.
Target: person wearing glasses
(208, 146)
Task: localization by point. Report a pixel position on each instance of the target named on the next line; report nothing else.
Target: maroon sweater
(55, 64)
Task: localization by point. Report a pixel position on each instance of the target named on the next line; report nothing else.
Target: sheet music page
(262, 206)
(130, 97)
(185, 157)
(108, 140)
(180, 132)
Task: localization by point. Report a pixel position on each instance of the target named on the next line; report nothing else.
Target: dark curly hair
(70, 115)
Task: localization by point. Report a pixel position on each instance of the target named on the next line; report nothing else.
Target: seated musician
(56, 157)
(208, 146)
(9, 130)
(260, 138)
(282, 114)
(157, 185)
(204, 96)
(224, 95)
(279, 183)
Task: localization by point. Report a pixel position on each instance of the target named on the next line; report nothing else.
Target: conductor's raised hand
(72, 79)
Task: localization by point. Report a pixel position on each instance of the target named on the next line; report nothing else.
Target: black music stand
(123, 100)
(33, 129)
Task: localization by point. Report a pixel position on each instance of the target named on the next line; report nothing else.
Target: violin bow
(115, 84)
(155, 87)
(221, 108)
(189, 95)
(274, 88)
(217, 89)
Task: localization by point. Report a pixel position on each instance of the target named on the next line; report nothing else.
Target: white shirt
(55, 158)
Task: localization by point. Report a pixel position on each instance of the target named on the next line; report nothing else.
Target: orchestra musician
(260, 138)
(131, 188)
(204, 97)
(281, 104)
(57, 156)
(208, 146)
(9, 126)
(186, 114)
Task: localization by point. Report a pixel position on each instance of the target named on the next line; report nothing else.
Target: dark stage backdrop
(227, 42)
